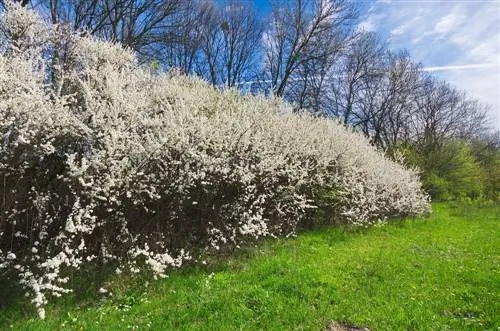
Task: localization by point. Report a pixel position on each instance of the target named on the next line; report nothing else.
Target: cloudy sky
(457, 39)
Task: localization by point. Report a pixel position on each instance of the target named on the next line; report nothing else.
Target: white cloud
(461, 67)
(399, 30)
(367, 24)
(458, 40)
(448, 23)
(482, 84)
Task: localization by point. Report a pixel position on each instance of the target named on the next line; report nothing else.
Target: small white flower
(41, 313)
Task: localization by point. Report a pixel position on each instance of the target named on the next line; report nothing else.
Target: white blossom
(129, 154)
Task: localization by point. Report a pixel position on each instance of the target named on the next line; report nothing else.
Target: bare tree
(443, 113)
(360, 65)
(230, 44)
(300, 32)
(140, 25)
(404, 81)
(211, 46)
(308, 88)
(385, 100)
(183, 50)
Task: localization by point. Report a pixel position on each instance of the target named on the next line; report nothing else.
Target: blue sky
(458, 40)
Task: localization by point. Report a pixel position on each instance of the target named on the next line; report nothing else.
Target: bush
(454, 171)
(102, 161)
(487, 156)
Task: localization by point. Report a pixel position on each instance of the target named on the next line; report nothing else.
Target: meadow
(440, 273)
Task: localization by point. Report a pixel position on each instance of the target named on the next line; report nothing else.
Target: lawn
(439, 273)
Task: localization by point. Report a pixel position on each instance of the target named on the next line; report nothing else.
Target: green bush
(457, 170)
(488, 157)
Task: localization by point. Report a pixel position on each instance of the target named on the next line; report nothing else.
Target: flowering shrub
(102, 161)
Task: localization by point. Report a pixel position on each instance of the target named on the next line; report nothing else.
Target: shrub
(102, 161)
(453, 172)
(487, 155)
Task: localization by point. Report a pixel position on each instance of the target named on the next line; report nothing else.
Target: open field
(438, 273)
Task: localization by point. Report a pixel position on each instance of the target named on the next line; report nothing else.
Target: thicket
(458, 169)
(314, 54)
(103, 161)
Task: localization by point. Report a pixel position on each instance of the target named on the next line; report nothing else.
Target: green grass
(440, 273)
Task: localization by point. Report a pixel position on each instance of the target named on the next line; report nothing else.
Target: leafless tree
(308, 53)
(309, 87)
(443, 113)
(300, 32)
(361, 64)
(183, 49)
(230, 44)
(385, 100)
(140, 25)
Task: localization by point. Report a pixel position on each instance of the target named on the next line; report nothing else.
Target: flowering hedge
(103, 161)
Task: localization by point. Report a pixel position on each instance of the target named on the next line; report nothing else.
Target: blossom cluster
(103, 161)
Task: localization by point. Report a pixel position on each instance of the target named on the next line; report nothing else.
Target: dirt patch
(334, 326)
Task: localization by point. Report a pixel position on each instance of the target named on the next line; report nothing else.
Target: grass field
(440, 273)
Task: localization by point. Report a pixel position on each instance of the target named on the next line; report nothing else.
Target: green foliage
(488, 157)
(327, 200)
(457, 170)
(491, 173)
(457, 166)
(426, 274)
(437, 186)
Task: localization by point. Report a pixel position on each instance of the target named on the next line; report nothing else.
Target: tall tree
(140, 25)
(361, 64)
(385, 99)
(301, 32)
(444, 113)
(230, 44)
(183, 50)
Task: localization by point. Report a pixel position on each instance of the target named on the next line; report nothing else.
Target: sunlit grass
(437, 273)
